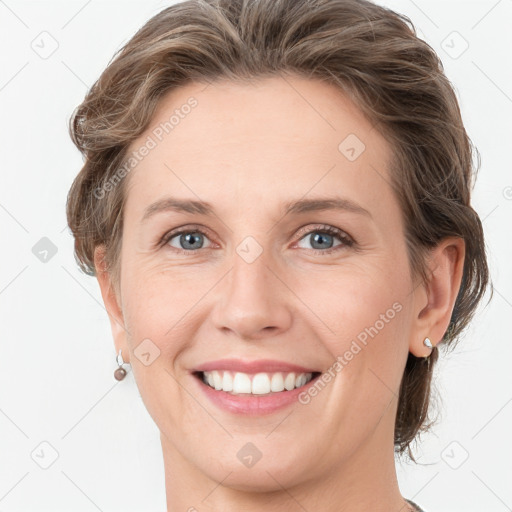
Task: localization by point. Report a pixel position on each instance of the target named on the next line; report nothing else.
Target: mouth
(254, 384)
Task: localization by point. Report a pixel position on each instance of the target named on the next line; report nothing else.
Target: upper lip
(256, 366)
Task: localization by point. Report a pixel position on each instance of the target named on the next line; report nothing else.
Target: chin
(270, 473)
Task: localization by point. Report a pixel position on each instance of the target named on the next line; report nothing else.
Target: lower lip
(252, 404)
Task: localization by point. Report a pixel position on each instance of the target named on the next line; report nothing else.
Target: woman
(224, 145)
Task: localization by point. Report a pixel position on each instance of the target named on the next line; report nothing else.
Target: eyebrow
(291, 207)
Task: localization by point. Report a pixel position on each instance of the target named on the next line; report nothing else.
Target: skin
(247, 149)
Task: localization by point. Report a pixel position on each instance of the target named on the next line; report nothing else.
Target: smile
(261, 383)
(253, 394)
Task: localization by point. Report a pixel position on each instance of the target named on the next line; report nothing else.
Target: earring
(428, 344)
(120, 373)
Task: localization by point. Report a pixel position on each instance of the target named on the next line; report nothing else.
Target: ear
(112, 301)
(435, 300)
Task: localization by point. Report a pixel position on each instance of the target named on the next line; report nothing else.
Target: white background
(57, 357)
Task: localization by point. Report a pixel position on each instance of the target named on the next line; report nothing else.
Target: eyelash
(346, 240)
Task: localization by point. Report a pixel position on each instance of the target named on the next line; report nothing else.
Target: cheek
(362, 311)
(157, 316)
(162, 311)
(352, 298)
(159, 301)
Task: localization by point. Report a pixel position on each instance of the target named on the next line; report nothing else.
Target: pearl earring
(428, 344)
(120, 373)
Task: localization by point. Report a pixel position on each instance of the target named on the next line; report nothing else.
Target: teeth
(227, 382)
(241, 383)
(289, 382)
(277, 383)
(217, 380)
(258, 384)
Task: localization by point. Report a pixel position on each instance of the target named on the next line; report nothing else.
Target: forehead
(244, 142)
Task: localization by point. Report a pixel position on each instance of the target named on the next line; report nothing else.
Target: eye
(187, 240)
(190, 240)
(323, 238)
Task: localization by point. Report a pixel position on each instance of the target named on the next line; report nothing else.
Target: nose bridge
(251, 296)
(251, 259)
(249, 280)
(250, 271)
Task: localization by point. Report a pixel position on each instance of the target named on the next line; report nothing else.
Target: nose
(252, 301)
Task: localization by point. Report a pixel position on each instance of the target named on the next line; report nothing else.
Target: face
(261, 272)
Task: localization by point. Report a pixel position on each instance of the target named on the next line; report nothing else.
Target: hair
(371, 54)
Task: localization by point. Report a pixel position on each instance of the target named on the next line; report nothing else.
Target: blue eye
(325, 235)
(191, 240)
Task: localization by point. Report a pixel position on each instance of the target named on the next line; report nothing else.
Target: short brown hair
(370, 53)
